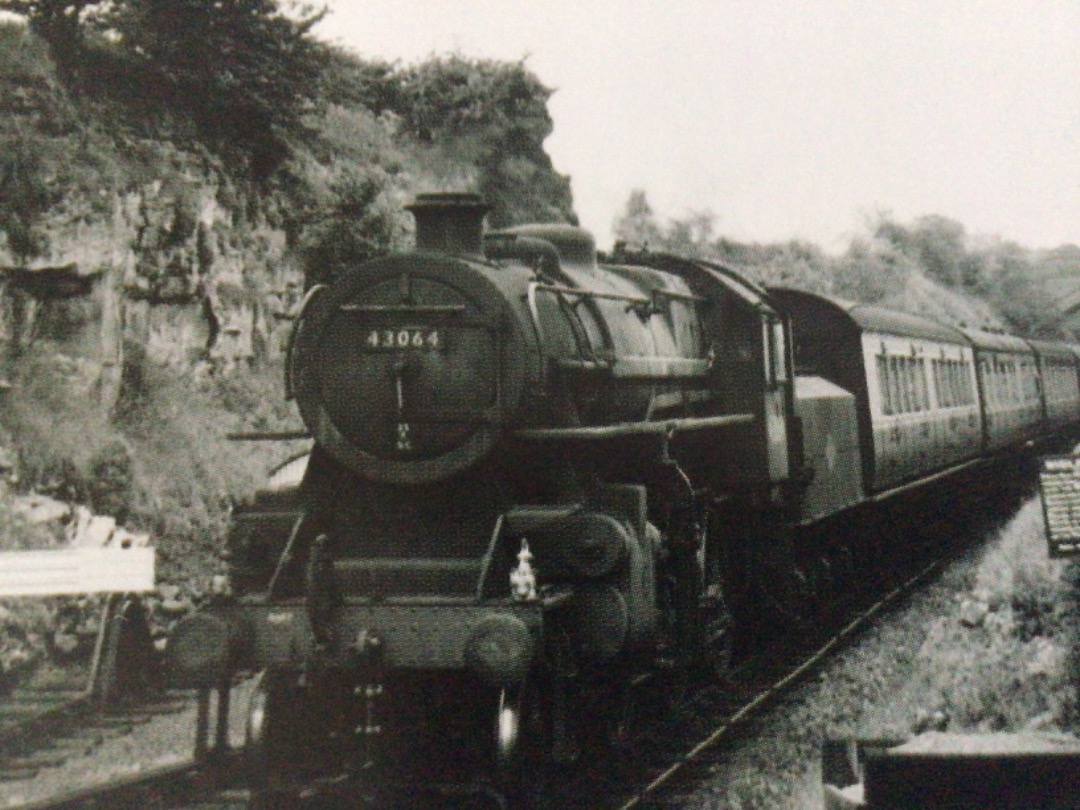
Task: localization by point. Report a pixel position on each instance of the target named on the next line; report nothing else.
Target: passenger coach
(1009, 388)
(926, 397)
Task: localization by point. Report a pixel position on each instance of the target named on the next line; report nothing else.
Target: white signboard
(1059, 484)
(76, 570)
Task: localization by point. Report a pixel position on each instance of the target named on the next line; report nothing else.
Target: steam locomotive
(537, 478)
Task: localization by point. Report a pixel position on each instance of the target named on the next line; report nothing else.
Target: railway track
(62, 716)
(42, 728)
(675, 751)
(637, 775)
(65, 713)
(77, 727)
(678, 750)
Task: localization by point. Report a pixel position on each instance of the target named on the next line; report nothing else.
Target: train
(539, 477)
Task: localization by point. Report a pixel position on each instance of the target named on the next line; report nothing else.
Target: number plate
(404, 338)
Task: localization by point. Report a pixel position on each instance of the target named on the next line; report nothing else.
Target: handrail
(667, 427)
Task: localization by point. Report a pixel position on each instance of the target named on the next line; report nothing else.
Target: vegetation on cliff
(239, 93)
(195, 163)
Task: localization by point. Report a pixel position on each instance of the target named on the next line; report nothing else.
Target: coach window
(895, 385)
(916, 390)
(1061, 380)
(883, 385)
(964, 380)
(907, 381)
(924, 386)
(773, 338)
(913, 384)
(897, 364)
(920, 384)
(779, 351)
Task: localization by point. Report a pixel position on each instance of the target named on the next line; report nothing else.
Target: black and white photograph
(509, 405)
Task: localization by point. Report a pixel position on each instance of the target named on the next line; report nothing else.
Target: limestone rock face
(171, 274)
(178, 255)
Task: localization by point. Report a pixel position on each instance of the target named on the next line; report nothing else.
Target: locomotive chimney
(451, 222)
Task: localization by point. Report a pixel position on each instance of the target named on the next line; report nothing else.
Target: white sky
(785, 118)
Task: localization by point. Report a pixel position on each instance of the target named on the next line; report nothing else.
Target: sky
(800, 119)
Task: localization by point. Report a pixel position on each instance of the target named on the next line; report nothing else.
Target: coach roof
(867, 318)
(994, 341)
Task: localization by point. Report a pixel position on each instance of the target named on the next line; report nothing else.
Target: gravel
(167, 739)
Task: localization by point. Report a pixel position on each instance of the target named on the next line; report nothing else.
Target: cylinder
(599, 623)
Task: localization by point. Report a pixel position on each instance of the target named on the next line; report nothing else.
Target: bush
(1018, 665)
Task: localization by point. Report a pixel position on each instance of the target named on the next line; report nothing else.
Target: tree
(357, 226)
(1011, 284)
(493, 117)
(936, 243)
(636, 225)
(60, 23)
(690, 236)
(872, 270)
(243, 69)
(24, 194)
